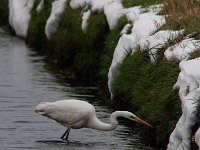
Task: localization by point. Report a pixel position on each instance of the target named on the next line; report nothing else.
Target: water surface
(25, 81)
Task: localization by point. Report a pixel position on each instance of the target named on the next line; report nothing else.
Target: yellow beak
(142, 121)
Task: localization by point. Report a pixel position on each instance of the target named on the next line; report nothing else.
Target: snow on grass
(98, 5)
(19, 15)
(157, 41)
(182, 50)
(144, 25)
(189, 92)
(197, 137)
(58, 8)
(40, 6)
(86, 16)
(75, 4)
(132, 13)
(126, 28)
(113, 12)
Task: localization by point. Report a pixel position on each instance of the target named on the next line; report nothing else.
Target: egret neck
(95, 123)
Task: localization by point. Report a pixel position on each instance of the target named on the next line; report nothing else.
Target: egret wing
(69, 112)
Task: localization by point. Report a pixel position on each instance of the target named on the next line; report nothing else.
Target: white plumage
(78, 114)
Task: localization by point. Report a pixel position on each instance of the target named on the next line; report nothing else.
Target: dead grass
(195, 54)
(181, 12)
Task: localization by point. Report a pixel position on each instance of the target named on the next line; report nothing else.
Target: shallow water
(24, 82)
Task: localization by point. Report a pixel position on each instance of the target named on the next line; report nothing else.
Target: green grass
(66, 41)
(70, 47)
(148, 87)
(111, 41)
(88, 58)
(4, 12)
(192, 26)
(78, 50)
(36, 32)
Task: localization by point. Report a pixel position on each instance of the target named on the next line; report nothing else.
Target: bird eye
(132, 117)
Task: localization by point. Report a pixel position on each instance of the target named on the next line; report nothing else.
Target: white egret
(78, 114)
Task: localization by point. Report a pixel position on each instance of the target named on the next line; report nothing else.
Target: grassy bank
(148, 87)
(142, 87)
(69, 47)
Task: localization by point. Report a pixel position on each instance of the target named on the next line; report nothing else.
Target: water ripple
(24, 82)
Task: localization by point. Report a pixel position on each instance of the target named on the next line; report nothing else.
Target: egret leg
(62, 137)
(66, 134)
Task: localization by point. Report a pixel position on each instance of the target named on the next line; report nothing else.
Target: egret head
(131, 116)
(40, 108)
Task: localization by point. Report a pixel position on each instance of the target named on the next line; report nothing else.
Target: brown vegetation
(180, 12)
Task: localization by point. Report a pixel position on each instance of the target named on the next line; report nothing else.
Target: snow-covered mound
(53, 21)
(143, 27)
(182, 50)
(189, 92)
(86, 16)
(157, 41)
(19, 15)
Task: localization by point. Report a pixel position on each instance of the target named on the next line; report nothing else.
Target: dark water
(24, 82)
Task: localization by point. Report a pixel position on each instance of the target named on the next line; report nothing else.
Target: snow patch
(113, 12)
(58, 8)
(86, 16)
(197, 137)
(182, 50)
(145, 24)
(158, 40)
(40, 6)
(19, 15)
(126, 28)
(132, 13)
(75, 4)
(98, 5)
(189, 92)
